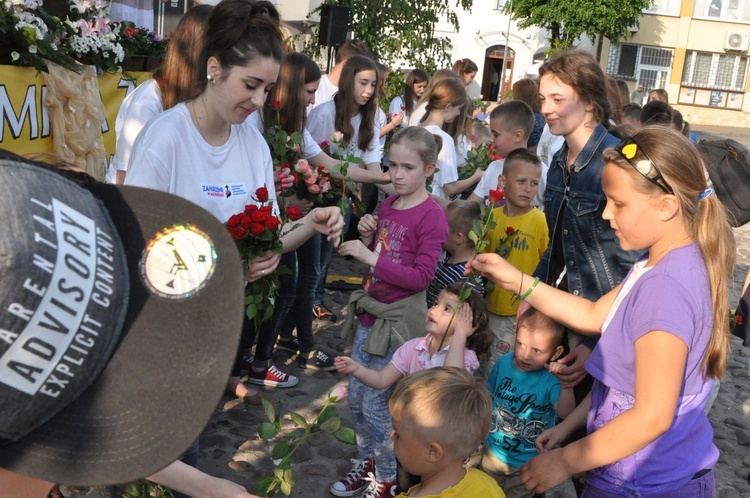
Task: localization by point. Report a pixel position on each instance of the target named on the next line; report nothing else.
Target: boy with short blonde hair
(521, 236)
(440, 416)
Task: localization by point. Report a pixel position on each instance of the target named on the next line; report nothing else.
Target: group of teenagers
(591, 347)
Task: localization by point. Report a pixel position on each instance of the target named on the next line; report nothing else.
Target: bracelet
(526, 294)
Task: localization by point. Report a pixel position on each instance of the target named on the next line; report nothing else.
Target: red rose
(510, 231)
(262, 194)
(496, 196)
(257, 229)
(296, 178)
(233, 221)
(250, 208)
(321, 169)
(272, 223)
(293, 213)
(267, 211)
(276, 105)
(258, 216)
(403, 107)
(237, 232)
(129, 32)
(286, 166)
(739, 319)
(245, 221)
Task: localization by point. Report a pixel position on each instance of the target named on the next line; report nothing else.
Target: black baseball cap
(120, 316)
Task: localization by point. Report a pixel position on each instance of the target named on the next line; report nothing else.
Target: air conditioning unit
(737, 41)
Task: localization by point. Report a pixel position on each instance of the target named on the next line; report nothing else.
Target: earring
(211, 79)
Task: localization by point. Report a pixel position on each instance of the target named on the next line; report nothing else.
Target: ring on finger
(263, 272)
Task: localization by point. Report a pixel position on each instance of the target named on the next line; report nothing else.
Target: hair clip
(705, 193)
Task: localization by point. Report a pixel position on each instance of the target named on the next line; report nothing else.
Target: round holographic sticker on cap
(178, 262)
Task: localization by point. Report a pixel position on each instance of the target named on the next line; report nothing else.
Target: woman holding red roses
(206, 151)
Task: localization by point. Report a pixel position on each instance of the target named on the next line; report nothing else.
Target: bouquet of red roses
(256, 231)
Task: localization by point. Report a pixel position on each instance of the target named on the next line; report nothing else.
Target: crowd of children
(603, 236)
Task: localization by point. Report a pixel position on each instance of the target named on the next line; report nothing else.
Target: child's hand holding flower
(464, 320)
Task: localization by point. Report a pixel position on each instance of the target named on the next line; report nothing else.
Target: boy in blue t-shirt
(526, 399)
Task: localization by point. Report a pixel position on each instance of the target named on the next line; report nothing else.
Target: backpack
(728, 165)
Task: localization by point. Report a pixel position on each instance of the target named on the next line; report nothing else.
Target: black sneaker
(291, 344)
(318, 361)
(321, 312)
(247, 363)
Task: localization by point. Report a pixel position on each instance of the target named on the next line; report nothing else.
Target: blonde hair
(706, 219)
(447, 92)
(446, 405)
(440, 75)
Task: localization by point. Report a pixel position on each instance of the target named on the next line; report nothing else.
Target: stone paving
(230, 447)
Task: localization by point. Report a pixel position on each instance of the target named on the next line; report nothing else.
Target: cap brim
(168, 372)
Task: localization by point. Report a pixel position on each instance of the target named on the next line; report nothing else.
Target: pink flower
(338, 393)
(313, 189)
(336, 137)
(302, 167)
(325, 187)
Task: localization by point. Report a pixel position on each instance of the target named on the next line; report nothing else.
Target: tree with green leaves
(399, 32)
(567, 20)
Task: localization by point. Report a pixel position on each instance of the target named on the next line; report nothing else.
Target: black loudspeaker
(334, 24)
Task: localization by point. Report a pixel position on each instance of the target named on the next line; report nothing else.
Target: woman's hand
(283, 179)
(329, 222)
(367, 225)
(304, 205)
(397, 119)
(495, 268)
(261, 266)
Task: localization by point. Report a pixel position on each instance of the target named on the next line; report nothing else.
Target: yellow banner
(25, 123)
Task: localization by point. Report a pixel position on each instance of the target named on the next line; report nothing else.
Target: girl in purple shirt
(664, 330)
(401, 246)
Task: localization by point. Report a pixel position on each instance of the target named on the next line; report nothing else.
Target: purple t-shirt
(673, 296)
(408, 242)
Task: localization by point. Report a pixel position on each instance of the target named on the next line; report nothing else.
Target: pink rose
(336, 137)
(325, 187)
(338, 393)
(313, 189)
(302, 167)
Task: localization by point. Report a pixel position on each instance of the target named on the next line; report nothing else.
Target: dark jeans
(299, 299)
(326, 250)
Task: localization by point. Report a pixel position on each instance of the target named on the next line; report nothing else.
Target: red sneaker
(380, 489)
(271, 376)
(356, 480)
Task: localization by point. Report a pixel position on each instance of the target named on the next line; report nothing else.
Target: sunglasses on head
(628, 149)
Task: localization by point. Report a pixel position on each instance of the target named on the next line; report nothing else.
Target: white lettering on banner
(59, 332)
(29, 112)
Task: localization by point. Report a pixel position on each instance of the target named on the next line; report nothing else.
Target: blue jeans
(299, 312)
(702, 487)
(326, 250)
(370, 414)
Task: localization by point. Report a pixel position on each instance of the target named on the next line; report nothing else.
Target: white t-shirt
(447, 166)
(310, 147)
(416, 115)
(489, 182)
(325, 92)
(548, 145)
(462, 149)
(320, 123)
(171, 155)
(396, 104)
(138, 108)
(380, 121)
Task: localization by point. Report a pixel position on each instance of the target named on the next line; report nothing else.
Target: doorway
(493, 86)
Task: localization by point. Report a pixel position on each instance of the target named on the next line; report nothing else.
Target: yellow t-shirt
(529, 241)
(475, 484)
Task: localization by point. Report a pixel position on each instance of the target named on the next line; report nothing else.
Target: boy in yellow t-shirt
(520, 236)
(440, 415)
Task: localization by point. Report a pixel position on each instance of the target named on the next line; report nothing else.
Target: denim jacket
(594, 261)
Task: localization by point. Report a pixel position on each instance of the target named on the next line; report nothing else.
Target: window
(715, 80)
(669, 7)
(500, 4)
(723, 10)
(648, 66)
(717, 71)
